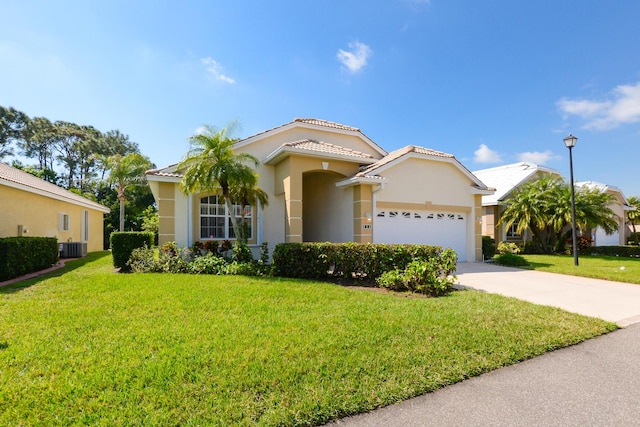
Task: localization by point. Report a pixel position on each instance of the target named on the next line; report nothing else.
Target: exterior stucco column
(362, 214)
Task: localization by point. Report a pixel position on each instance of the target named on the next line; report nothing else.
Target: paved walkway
(613, 301)
(595, 383)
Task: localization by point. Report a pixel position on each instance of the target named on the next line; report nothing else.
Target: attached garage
(446, 229)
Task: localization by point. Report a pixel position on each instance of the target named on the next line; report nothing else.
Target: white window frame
(85, 226)
(223, 230)
(63, 221)
(511, 232)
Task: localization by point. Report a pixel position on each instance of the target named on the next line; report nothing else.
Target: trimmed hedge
(346, 261)
(23, 255)
(123, 243)
(488, 247)
(626, 251)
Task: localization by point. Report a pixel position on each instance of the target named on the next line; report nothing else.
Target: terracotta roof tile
(325, 147)
(168, 171)
(16, 176)
(325, 123)
(399, 153)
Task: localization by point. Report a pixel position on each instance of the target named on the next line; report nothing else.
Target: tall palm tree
(124, 172)
(544, 207)
(212, 165)
(634, 216)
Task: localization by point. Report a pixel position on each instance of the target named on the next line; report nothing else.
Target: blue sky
(492, 82)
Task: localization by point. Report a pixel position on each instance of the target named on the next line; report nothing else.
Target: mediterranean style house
(620, 207)
(329, 182)
(506, 180)
(34, 207)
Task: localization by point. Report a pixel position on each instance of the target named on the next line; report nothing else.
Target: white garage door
(448, 230)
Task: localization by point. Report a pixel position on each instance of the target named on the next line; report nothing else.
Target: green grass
(88, 346)
(619, 269)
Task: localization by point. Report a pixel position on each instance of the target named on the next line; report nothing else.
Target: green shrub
(488, 247)
(634, 239)
(432, 277)
(23, 255)
(345, 261)
(625, 251)
(241, 252)
(123, 243)
(207, 264)
(508, 248)
(511, 260)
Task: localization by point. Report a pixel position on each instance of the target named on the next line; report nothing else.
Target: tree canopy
(211, 164)
(543, 207)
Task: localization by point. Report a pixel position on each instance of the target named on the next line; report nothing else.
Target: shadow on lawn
(68, 266)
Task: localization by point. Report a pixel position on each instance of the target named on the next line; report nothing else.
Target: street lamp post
(570, 142)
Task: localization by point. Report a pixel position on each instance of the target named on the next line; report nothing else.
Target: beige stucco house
(506, 180)
(34, 207)
(330, 182)
(620, 207)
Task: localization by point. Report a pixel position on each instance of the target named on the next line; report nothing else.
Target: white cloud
(537, 157)
(355, 59)
(486, 155)
(622, 107)
(215, 69)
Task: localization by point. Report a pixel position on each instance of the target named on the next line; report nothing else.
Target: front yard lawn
(94, 347)
(621, 269)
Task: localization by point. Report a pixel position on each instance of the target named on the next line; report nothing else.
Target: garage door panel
(448, 230)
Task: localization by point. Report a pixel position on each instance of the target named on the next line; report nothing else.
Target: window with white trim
(63, 222)
(512, 232)
(215, 221)
(85, 226)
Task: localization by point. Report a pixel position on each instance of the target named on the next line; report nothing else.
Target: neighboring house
(34, 207)
(506, 179)
(620, 206)
(330, 182)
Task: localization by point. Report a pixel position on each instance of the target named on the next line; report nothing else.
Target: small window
(63, 222)
(512, 232)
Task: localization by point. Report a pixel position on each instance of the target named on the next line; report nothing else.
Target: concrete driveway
(613, 301)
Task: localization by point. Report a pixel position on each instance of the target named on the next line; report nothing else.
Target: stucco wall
(39, 215)
(438, 186)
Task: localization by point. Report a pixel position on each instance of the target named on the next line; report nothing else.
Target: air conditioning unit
(73, 249)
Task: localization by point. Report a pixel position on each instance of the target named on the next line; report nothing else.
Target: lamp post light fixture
(570, 142)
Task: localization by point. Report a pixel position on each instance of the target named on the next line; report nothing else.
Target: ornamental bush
(511, 260)
(488, 247)
(23, 255)
(433, 277)
(123, 243)
(346, 261)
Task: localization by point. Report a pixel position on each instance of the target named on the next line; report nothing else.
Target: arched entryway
(327, 210)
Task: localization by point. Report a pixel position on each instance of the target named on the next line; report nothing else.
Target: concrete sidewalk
(613, 301)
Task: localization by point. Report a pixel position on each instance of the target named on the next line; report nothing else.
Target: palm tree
(126, 171)
(544, 207)
(212, 165)
(634, 215)
(248, 194)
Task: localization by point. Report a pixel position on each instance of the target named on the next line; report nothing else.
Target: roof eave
(283, 152)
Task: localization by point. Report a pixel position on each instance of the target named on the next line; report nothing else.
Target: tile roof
(325, 123)
(507, 177)
(11, 175)
(325, 147)
(399, 153)
(168, 171)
